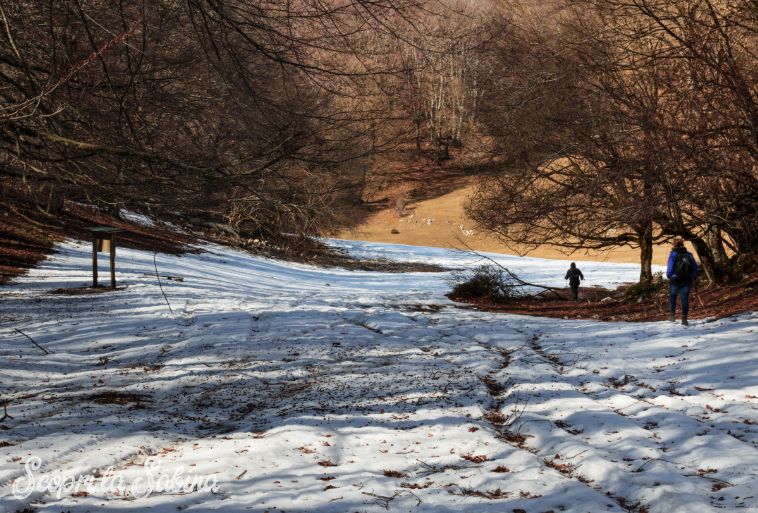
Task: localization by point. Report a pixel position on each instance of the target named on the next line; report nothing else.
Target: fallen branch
(521, 283)
(31, 340)
(223, 228)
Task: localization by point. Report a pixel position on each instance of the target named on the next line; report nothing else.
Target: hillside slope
(441, 222)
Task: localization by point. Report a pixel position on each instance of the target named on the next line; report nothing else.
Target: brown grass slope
(424, 206)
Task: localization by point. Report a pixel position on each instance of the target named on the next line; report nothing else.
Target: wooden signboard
(104, 240)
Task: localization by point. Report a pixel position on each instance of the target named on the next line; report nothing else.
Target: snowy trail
(303, 389)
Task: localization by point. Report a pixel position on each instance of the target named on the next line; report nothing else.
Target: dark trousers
(574, 291)
(682, 290)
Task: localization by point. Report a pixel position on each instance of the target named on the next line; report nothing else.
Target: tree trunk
(712, 270)
(115, 210)
(707, 261)
(55, 201)
(716, 244)
(646, 253)
(437, 143)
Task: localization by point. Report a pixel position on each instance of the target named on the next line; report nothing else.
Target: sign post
(104, 239)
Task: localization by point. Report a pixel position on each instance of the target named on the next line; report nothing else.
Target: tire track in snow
(555, 361)
(502, 425)
(648, 409)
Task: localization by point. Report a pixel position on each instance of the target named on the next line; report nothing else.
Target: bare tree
(444, 70)
(237, 111)
(601, 119)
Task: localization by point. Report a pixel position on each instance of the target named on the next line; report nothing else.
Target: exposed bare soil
(416, 202)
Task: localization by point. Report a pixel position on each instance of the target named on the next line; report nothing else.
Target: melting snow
(304, 389)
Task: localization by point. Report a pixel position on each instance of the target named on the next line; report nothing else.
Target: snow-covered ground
(300, 389)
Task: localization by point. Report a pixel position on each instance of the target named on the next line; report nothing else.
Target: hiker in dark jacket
(681, 272)
(574, 276)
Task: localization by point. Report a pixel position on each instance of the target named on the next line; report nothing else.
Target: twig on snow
(157, 275)
(696, 474)
(31, 340)
(575, 455)
(435, 469)
(5, 412)
(384, 500)
(516, 413)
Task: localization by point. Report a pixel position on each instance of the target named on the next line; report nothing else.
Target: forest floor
(297, 388)
(602, 304)
(28, 236)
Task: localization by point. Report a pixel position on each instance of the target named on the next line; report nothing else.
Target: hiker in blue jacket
(681, 272)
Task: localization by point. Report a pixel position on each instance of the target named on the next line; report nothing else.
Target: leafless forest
(610, 122)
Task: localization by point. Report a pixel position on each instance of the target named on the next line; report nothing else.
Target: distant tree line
(626, 122)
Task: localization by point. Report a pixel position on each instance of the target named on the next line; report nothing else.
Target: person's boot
(684, 321)
(672, 317)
